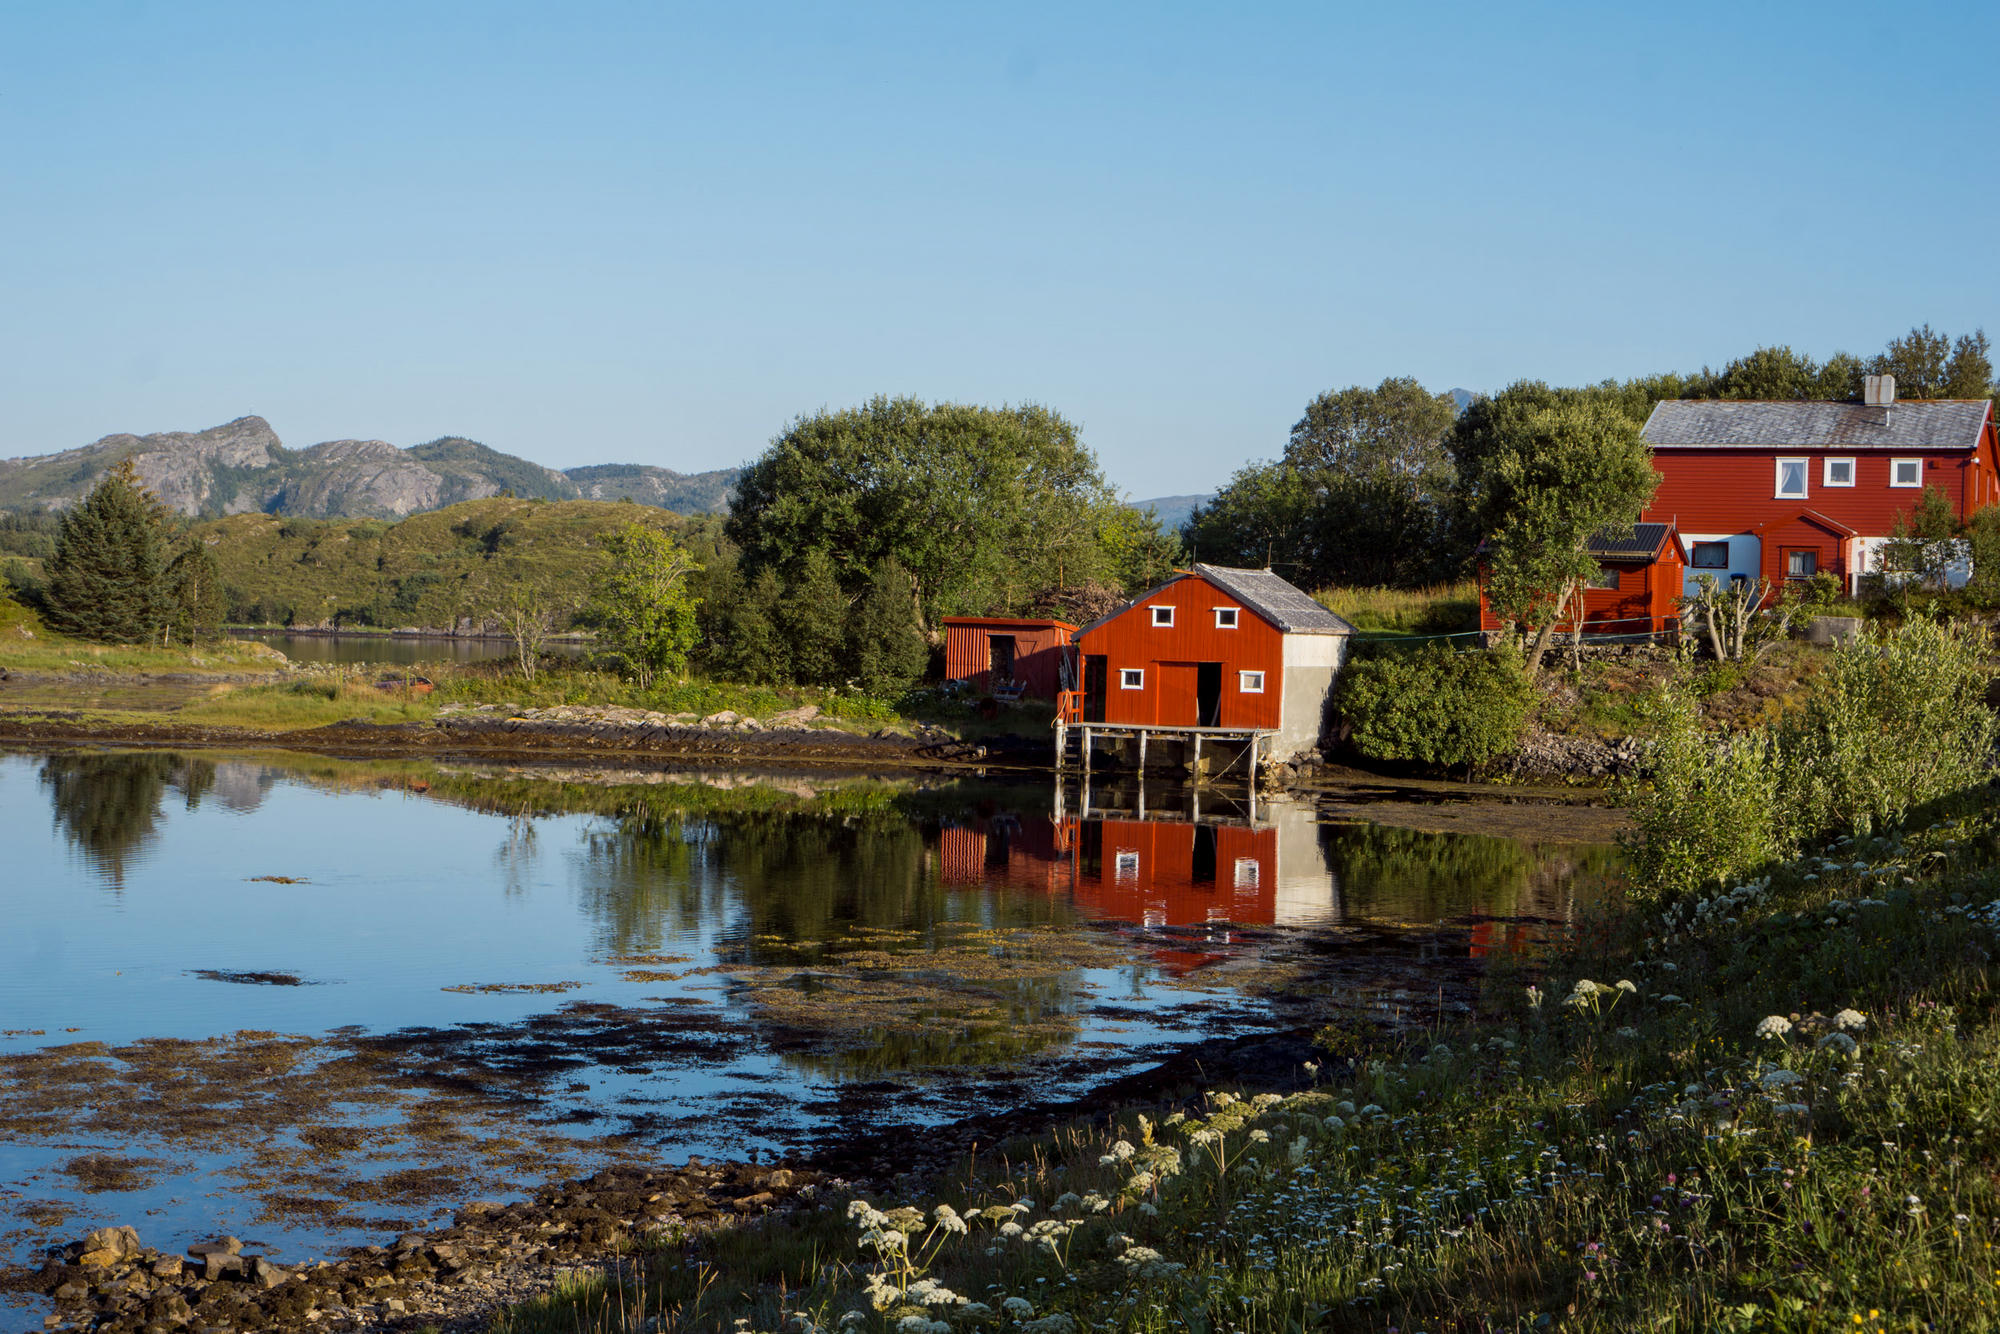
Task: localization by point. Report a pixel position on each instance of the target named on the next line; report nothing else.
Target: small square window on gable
(1906, 472)
(1250, 683)
(1792, 479)
(1839, 472)
(1163, 616)
(1131, 678)
(1225, 618)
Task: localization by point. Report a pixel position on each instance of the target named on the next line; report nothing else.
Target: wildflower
(1260, 1137)
(1371, 1110)
(854, 1318)
(1065, 1200)
(1778, 1079)
(1148, 1208)
(1344, 1108)
(1534, 998)
(1671, 999)
(1628, 1032)
(1773, 1026)
(1054, 1323)
(1311, 1068)
(1792, 1109)
(1119, 1153)
(1297, 1153)
(1629, 988)
(1334, 1123)
(1840, 1042)
(931, 1293)
(1850, 1020)
(946, 1217)
(1018, 1307)
(975, 1310)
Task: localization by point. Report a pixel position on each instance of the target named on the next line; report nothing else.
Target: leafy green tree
(1434, 706)
(744, 641)
(887, 647)
(981, 506)
(1781, 373)
(1928, 364)
(1924, 542)
(194, 591)
(812, 620)
(640, 603)
(1542, 471)
(1265, 515)
(106, 580)
(1982, 541)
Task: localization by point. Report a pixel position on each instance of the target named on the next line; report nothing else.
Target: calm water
(311, 1001)
(400, 649)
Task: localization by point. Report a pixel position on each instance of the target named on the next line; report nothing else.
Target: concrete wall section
(1312, 662)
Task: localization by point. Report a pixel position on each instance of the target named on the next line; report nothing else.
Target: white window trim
(1826, 473)
(1805, 478)
(1907, 486)
(1249, 873)
(1713, 542)
(1125, 864)
(1126, 675)
(1235, 618)
(1243, 683)
(1163, 617)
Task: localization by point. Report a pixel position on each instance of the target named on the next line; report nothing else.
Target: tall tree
(981, 506)
(887, 646)
(194, 593)
(813, 621)
(1545, 470)
(106, 580)
(640, 603)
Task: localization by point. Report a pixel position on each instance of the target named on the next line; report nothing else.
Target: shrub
(1435, 706)
(1712, 810)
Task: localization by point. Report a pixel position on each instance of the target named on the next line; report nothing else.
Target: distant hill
(1172, 510)
(242, 467)
(1463, 397)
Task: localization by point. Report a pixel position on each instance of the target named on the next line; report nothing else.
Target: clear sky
(589, 232)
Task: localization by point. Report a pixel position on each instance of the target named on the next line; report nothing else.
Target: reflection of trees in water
(108, 805)
(1418, 876)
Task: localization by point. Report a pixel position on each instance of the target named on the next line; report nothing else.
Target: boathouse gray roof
(1915, 425)
(1279, 602)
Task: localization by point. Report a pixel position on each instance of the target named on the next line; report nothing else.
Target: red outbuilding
(1215, 653)
(988, 653)
(1788, 490)
(1638, 589)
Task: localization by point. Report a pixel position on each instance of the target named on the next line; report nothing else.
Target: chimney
(1879, 391)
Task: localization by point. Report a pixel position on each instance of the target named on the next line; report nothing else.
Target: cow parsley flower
(1018, 1307)
(1840, 1042)
(1773, 1026)
(1850, 1020)
(1779, 1079)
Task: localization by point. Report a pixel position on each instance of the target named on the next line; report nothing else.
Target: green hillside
(427, 570)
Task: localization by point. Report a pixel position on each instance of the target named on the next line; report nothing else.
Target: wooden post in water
(1196, 766)
(1086, 752)
(1142, 750)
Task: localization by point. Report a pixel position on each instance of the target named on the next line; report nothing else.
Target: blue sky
(607, 232)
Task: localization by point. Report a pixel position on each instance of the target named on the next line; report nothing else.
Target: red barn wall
(1168, 655)
(1646, 599)
(1735, 490)
(1038, 650)
(1162, 890)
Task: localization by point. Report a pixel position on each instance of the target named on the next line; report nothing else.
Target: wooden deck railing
(1069, 707)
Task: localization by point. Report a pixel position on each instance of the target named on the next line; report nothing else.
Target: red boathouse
(1638, 589)
(988, 653)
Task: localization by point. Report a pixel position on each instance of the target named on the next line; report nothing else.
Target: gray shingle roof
(1640, 544)
(1919, 426)
(1277, 601)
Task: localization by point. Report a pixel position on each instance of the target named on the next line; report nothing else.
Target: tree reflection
(109, 805)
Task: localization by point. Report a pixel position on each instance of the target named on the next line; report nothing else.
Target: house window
(1792, 479)
(1163, 616)
(1248, 872)
(1131, 678)
(1607, 579)
(1709, 556)
(1906, 472)
(1839, 472)
(1225, 618)
(1250, 683)
(1128, 865)
(1801, 564)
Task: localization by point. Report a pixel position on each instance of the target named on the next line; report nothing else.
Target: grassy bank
(1771, 1107)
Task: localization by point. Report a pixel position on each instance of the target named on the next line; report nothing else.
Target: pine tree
(888, 648)
(107, 579)
(194, 587)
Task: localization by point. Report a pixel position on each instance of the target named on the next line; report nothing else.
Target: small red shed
(985, 652)
(1637, 591)
(1215, 650)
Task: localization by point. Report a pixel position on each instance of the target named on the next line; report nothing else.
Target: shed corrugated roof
(1919, 426)
(1642, 542)
(1279, 602)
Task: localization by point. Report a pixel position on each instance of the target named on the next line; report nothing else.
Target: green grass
(1444, 609)
(1672, 1133)
(26, 645)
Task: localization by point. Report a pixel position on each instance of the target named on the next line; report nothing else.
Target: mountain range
(242, 466)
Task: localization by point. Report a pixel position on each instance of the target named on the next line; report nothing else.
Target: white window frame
(1826, 473)
(1125, 864)
(1249, 873)
(1607, 580)
(1243, 685)
(1131, 678)
(1722, 542)
(1805, 480)
(1235, 615)
(1895, 464)
(1163, 617)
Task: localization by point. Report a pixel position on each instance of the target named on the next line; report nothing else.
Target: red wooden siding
(1646, 601)
(1734, 490)
(1156, 886)
(1038, 650)
(1169, 654)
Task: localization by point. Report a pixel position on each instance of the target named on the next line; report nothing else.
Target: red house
(1215, 650)
(984, 652)
(1637, 591)
(1787, 490)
